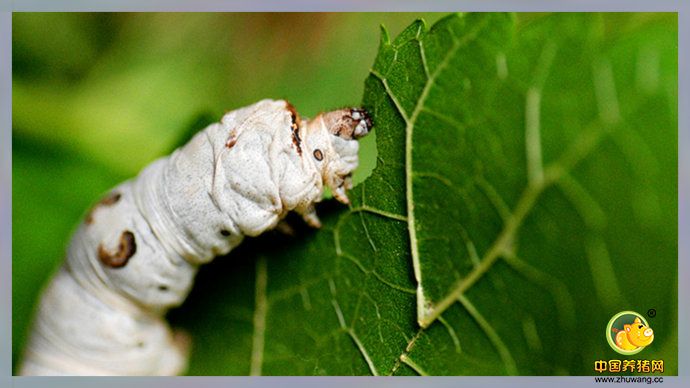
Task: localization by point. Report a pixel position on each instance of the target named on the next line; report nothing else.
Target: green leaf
(525, 192)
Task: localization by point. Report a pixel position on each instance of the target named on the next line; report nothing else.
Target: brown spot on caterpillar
(294, 117)
(111, 199)
(108, 200)
(297, 142)
(125, 249)
(232, 138)
(318, 155)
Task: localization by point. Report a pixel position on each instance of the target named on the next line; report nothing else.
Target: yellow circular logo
(628, 333)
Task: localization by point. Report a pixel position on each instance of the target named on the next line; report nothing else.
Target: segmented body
(138, 250)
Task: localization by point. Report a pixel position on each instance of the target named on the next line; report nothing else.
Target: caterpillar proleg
(137, 251)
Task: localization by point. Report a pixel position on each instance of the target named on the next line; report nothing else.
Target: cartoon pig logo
(634, 335)
(628, 333)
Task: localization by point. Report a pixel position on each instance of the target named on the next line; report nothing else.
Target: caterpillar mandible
(137, 251)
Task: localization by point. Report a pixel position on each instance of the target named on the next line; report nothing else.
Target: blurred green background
(98, 96)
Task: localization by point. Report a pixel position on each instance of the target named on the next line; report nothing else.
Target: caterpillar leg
(285, 228)
(309, 215)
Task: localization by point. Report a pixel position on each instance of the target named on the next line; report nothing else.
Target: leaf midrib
(410, 121)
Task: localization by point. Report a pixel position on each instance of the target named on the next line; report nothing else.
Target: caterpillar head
(331, 141)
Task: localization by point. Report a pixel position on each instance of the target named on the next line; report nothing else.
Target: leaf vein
(493, 336)
(422, 303)
(363, 352)
(260, 311)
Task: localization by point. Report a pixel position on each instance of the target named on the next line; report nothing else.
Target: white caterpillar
(138, 250)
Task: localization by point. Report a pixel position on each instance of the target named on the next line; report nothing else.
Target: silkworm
(137, 252)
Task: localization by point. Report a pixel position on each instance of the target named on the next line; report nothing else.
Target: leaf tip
(385, 36)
